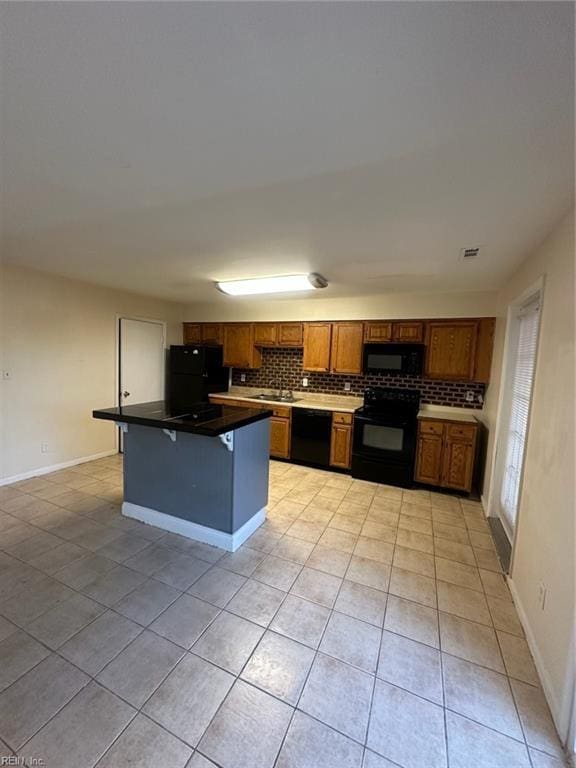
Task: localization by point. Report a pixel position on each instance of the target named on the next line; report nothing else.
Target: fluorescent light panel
(278, 284)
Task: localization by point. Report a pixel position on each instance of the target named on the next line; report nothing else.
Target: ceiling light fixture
(278, 284)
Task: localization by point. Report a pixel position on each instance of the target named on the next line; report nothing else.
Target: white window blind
(520, 396)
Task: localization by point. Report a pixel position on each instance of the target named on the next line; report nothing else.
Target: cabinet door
(408, 333)
(192, 333)
(265, 334)
(317, 338)
(239, 349)
(451, 350)
(212, 333)
(340, 445)
(375, 332)
(429, 459)
(290, 334)
(484, 348)
(458, 464)
(279, 437)
(346, 356)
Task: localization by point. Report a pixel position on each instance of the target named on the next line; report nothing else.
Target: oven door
(390, 439)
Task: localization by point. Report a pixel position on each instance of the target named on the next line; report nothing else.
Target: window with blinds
(520, 395)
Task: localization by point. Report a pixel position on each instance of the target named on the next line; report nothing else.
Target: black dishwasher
(311, 431)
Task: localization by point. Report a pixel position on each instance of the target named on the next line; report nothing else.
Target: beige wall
(390, 305)
(58, 340)
(544, 548)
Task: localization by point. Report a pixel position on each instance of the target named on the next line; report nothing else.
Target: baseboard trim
(228, 541)
(555, 709)
(56, 467)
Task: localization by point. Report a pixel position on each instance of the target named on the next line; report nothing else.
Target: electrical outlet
(304, 382)
(44, 447)
(542, 592)
(6, 374)
(346, 386)
(242, 377)
(470, 396)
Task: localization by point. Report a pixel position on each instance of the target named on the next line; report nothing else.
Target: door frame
(118, 359)
(502, 412)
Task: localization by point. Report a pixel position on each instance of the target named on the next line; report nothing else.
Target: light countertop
(448, 414)
(304, 400)
(345, 404)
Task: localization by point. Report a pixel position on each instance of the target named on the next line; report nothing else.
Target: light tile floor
(360, 626)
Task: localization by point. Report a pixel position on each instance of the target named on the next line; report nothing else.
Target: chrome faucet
(277, 383)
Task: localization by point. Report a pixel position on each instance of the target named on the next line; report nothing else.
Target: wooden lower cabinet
(458, 464)
(429, 460)
(341, 440)
(446, 454)
(280, 437)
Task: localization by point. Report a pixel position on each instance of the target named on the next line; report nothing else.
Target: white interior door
(141, 365)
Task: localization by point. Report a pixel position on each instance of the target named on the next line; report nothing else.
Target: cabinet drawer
(282, 413)
(431, 428)
(461, 431)
(342, 418)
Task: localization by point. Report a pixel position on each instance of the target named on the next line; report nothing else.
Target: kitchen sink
(274, 398)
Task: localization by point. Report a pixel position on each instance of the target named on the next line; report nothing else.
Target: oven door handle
(381, 422)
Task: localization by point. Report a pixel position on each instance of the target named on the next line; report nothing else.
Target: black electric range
(385, 430)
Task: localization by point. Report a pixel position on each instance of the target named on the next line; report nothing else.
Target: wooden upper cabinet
(377, 331)
(317, 344)
(265, 334)
(239, 348)
(192, 333)
(279, 334)
(410, 332)
(290, 334)
(451, 349)
(346, 355)
(484, 345)
(212, 333)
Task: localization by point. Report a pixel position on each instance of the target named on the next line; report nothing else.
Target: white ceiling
(159, 146)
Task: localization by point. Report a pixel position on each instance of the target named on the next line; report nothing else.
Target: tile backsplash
(285, 366)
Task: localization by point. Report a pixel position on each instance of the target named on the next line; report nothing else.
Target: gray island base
(211, 489)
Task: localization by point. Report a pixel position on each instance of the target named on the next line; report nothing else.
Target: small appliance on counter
(193, 373)
(406, 359)
(385, 431)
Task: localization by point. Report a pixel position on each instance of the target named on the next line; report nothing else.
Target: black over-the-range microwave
(405, 359)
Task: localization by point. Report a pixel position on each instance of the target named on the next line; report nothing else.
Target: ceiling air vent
(467, 254)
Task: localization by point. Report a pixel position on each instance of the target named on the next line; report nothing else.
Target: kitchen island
(201, 474)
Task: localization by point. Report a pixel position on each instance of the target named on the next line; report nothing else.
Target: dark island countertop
(203, 419)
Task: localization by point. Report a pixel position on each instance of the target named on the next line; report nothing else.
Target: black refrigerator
(194, 372)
